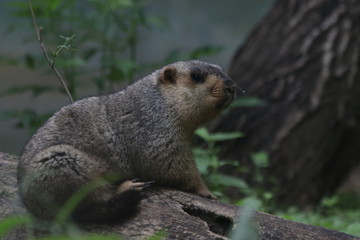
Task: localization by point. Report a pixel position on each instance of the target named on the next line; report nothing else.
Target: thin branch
(61, 47)
(43, 48)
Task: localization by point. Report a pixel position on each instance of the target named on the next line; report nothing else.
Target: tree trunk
(180, 215)
(303, 60)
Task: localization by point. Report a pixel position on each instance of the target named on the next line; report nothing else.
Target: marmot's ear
(168, 75)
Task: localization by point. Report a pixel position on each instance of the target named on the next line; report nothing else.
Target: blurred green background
(177, 27)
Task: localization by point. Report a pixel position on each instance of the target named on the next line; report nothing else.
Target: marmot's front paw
(207, 194)
(133, 185)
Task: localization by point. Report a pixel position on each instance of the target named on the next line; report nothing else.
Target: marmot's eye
(198, 78)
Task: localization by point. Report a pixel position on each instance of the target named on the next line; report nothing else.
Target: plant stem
(43, 48)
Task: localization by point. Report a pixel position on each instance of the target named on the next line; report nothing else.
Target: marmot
(142, 132)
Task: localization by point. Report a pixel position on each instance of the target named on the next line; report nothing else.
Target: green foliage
(158, 236)
(106, 55)
(216, 137)
(62, 227)
(101, 58)
(113, 38)
(82, 237)
(208, 162)
(9, 223)
(244, 228)
(69, 207)
(246, 101)
(340, 212)
(257, 197)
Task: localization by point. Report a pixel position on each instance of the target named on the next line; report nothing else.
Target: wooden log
(180, 215)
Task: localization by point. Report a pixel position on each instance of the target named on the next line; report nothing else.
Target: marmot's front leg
(194, 183)
(203, 191)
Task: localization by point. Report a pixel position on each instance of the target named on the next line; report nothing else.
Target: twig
(61, 47)
(43, 48)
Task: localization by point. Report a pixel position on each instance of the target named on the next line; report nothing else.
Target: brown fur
(144, 132)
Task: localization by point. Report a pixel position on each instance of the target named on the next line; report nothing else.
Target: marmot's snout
(230, 87)
(229, 93)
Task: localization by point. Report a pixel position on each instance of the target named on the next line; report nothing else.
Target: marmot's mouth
(228, 95)
(225, 102)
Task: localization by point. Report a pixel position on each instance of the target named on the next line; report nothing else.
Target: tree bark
(180, 215)
(303, 60)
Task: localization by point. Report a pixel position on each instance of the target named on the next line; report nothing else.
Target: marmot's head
(199, 91)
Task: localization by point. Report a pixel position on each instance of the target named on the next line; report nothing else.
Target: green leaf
(82, 237)
(268, 195)
(230, 181)
(206, 159)
(157, 236)
(260, 159)
(222, 136)
(329, 202)
(216, 137)
(219, 136)
(248, 102)
(203, 133)
(205, 162)
(13, 221)
(53, 4)
(76, 198)
(251, 202)
(244, 228)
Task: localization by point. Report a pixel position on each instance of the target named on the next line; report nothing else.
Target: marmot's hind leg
(57, 173)
(52, 176)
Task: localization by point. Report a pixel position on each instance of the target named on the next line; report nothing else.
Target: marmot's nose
(230, 86)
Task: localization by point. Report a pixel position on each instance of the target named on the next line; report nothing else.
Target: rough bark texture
(303, 60)
(9, 202)
(180, 215)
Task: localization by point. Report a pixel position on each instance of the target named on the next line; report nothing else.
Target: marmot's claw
(211, 196)
(148, 184)
(208, 195)
(134, 185)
